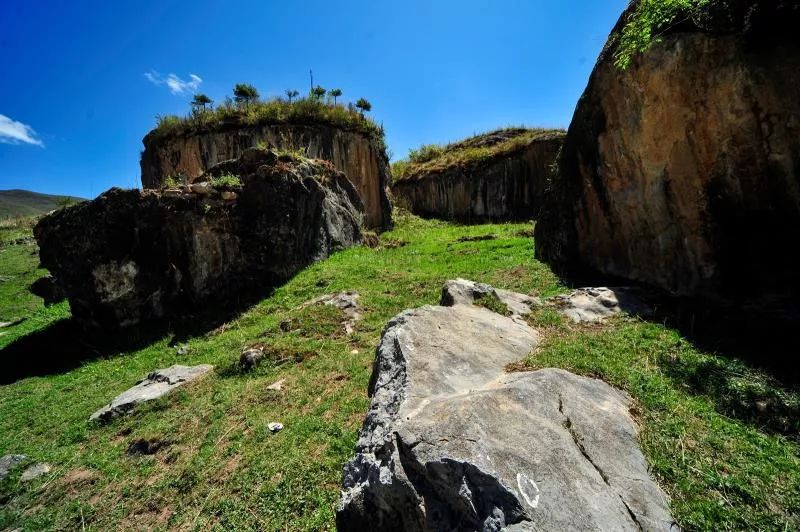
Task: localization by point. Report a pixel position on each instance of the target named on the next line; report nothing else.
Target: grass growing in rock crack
(219, 467)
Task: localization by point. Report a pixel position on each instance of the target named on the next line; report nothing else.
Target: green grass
(223, 469)
(273, 111)
(431, 158)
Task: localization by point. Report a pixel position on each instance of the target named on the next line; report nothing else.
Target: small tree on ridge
(245, 93)
(200, 100)
(291, 94)
(335, 93)
(363, 105)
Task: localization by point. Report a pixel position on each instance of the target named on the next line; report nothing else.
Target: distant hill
(27, 203)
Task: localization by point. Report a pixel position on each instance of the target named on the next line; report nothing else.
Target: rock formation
(130, 255)
(361, 158)
(157, 384)
(681, 171)
(453, 442)
(506, 185)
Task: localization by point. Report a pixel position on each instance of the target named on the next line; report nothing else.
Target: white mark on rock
(529, 490)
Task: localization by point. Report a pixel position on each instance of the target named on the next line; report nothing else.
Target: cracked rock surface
(453, 442)
(157, 384)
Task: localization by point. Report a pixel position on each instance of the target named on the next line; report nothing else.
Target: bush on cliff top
(275, 111)
(434, 157)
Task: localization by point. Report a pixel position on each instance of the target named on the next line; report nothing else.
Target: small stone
(182, 349)
(228, 195)
(275, 427)
(250, 357)
(277, 386)
(9, 462)
(354, 352)
(202, 189)
(33, 472)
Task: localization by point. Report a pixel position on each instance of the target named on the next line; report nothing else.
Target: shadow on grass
(65, 344)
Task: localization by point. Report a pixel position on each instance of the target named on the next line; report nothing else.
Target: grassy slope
(27, 203)
(224, 469)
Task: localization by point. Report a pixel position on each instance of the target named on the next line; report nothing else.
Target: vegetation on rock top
(721, 437)
(431, 158)
(247, 109)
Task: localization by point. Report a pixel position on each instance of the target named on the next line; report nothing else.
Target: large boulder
(681, 170)
(190, 154)
(131, 255)
(497, 176)
(453, 442)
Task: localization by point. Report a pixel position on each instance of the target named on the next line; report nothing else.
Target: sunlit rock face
(361, 159)
(131, 256)
(681, 171)
(507, 187)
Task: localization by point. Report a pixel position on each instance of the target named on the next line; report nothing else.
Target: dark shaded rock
(9, 462)
(507, 186)
(131, 256)
(48, 289)
(157, 384)
(682, 170)
(452, 442)
(362, 159)
(142, 446)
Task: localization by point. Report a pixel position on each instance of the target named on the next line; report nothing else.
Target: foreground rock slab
(130, 256)
(157, 384)
(452, 442)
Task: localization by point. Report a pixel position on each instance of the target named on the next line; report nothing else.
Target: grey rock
(157, 384)
(452, 442)
(10, 462)
(347, 302)
(250, 357)
(596, 304)
(464, 292)
(275, 427)
(33, 472)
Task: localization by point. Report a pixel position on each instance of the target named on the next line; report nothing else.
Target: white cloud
(176, 85)
(13, 132)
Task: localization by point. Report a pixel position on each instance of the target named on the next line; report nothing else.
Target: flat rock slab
(453, 442)
(10, 462)
(595, 304)
(157, 384)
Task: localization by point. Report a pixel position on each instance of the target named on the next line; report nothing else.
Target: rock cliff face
(130, 256)
(354, 153)
(681, 171)
(508, 186)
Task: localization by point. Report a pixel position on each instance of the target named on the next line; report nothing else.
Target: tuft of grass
(494, 304)
(226, 180)
(431, 158)
(274, 111)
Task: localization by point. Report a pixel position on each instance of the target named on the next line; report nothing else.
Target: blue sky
(76, 100)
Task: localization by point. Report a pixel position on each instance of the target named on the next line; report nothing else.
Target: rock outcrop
(498, 187)
(157, 384)
(682, 171)
(453, 442)
(130, 256)
(361, 158)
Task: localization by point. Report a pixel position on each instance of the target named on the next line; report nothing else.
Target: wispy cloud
(176, 85)
(13, 132)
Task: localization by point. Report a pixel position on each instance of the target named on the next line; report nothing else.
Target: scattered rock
(157, 384)
(394, 243)
(464, 292)
(141, 446)
(370, 239)
(10, 462)
(33, 472)
(596, 304)
(277, 386)
(182, 349)
(347, 302)
(452, 442)
(250, 357)
(275, 427)
(130, 256)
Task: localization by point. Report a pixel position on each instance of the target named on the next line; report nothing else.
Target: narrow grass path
(222, 469)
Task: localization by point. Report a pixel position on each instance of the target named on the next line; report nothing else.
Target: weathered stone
(452, 442)
(131, 256)
(10, 462)
(362, 160)
(347, 302)
(596, 304)
(34, 471)
(681, 171)
(157, 384)
(505, 187)
(250, 357)
(464, 292)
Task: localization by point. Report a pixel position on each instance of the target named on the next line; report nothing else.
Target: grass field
(724, 466)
